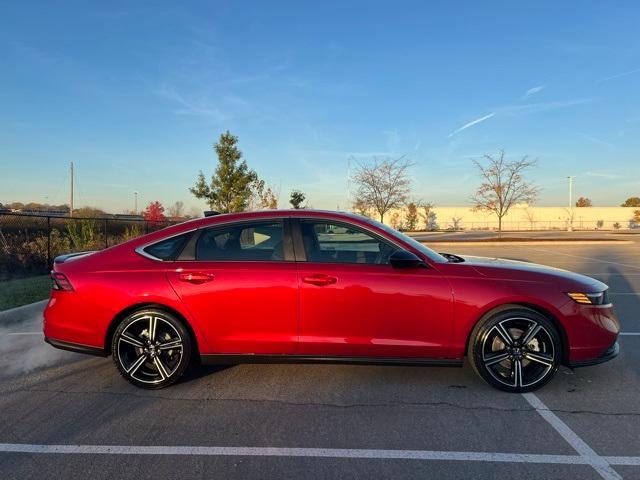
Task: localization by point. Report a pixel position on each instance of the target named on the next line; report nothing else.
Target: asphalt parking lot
(67, 416)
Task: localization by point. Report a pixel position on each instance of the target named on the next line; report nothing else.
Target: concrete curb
(20, 314)
(541, 242)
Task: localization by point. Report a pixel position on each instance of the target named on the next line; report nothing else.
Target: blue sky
(135, 93)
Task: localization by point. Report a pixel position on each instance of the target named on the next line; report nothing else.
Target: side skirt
(217, 359)
(76, 347)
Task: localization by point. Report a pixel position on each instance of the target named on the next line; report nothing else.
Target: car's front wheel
(516, 349)
(151, 348)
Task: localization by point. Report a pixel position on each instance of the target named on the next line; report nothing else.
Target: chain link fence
(29, 243)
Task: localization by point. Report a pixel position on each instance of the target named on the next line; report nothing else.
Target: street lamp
(135, 202)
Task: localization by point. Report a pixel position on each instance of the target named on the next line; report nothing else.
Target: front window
(432, 255)
(327, 242)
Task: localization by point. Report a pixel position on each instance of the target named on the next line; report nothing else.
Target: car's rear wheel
(516, 349)
(151, 348)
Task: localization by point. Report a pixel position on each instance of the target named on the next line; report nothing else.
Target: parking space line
(600, 464)
(631, 334)
(353, 453)
(635, 267)
(24, 333)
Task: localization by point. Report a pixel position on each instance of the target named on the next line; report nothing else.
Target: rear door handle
(196, 278)
(320, 280)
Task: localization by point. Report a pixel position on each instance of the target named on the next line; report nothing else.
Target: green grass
(21, 291)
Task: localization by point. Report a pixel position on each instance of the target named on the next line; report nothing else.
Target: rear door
(239, 281)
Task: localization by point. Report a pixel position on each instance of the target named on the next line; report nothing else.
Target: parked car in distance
(320, 286)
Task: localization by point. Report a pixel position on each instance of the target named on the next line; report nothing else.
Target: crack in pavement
(327, 404)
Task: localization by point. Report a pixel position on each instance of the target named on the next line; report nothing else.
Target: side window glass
(242, 242)
(325, 242)
(167, 249)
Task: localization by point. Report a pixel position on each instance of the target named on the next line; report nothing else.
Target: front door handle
(320, 280)
(196, 278)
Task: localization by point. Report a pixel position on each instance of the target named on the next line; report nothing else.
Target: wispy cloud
(608, 176)
(595, 140)
(619, 75)
(534, 90)
(471, 124)
(528, 108)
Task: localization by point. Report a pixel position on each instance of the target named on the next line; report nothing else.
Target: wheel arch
(564, 339)
(143, 306)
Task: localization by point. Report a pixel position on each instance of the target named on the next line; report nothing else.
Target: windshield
(435, 256)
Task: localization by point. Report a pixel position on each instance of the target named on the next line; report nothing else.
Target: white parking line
(600, 464)
(631, 334)
(316, 452)
(25, 333)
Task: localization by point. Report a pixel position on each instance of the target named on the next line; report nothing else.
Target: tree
(429, 216)
(296, 199)
(263, 196)
(636, 216)
(177, 209)
(361, 208)
(584, 202)
(411, 219)
(154, 212)
(230, 186)
(631, 202)
(530, 215)
(382, 184)
(503, 185)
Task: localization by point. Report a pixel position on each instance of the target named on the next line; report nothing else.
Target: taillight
(60, 282)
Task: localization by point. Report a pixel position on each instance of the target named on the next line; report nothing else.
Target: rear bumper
(76, 347)
(611, 353)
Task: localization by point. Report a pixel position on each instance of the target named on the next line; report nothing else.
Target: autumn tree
(382, 184)
(263, 196)
(631, 202)
(359, 207)
(411, 219)
(230, 188)
(297, 198)
(503, 185)
(154, 212)
(584, 202)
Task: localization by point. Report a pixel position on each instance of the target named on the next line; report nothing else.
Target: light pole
(135, 202)
(570, 222)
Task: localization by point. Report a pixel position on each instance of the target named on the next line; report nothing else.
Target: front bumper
(611, 353)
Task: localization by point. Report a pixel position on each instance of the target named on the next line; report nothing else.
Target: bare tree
(503, 185)
(382, 184)
(428, 216)
(530, 215)
(263, 196)
(177, 209)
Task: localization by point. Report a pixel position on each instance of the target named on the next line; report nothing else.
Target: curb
(22, 313)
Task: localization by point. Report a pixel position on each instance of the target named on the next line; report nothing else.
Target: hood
(503, 269)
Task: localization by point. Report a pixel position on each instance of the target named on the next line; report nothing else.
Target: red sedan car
(314, 286)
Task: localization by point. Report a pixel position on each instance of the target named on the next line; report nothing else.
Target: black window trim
(287, 245)
(301, 255)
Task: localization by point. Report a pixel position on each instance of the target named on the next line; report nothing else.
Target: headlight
(598, 298)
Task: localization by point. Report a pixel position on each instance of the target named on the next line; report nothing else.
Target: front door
(241, 289)
(354, 303)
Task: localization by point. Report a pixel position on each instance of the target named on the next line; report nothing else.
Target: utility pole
(570, 222)
(135, 202)
(71, 194)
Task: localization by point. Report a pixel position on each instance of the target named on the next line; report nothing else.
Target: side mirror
(405, 259)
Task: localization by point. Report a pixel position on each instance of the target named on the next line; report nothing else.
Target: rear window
(167, 249)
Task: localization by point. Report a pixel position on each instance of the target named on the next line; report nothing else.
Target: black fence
(29, 243)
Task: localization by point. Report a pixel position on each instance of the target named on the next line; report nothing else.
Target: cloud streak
(619, 75)
(534, 90)
(471, 124)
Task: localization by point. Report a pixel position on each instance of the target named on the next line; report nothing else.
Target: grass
(22, 291)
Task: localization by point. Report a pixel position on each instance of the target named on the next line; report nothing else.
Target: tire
(507, 361)
(151, 348)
